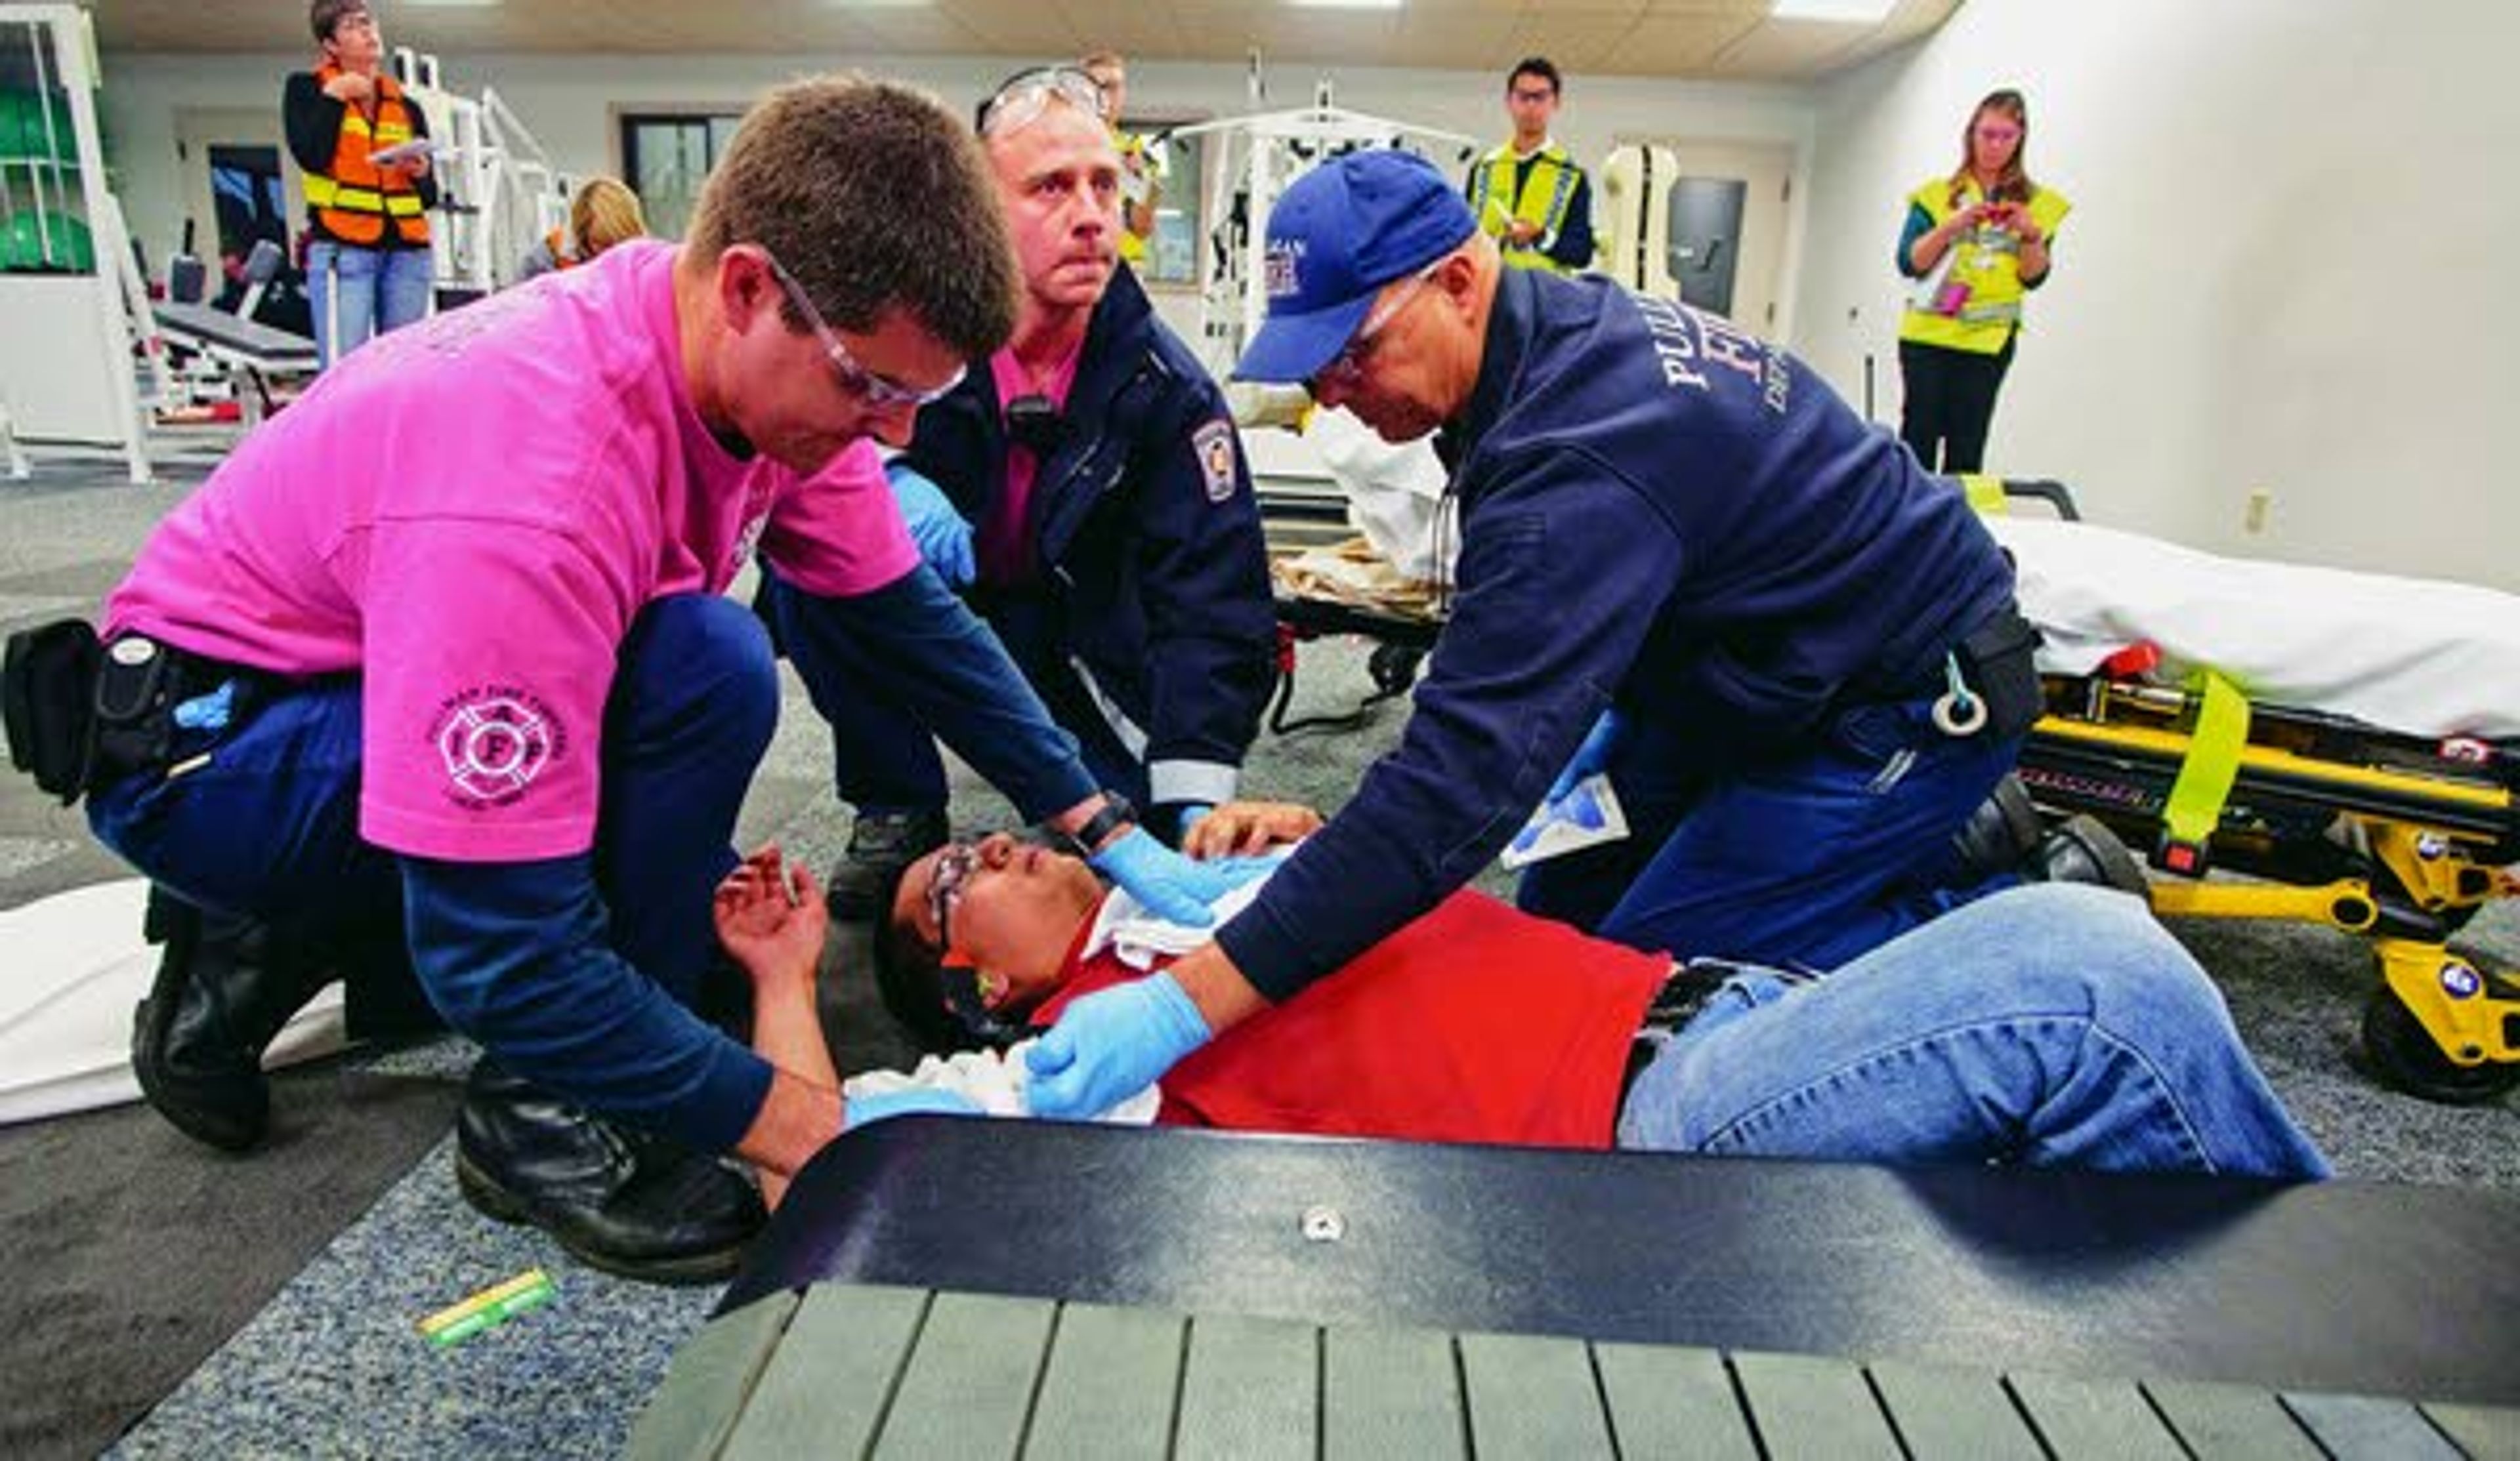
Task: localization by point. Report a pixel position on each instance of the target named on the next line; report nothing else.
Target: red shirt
(1474, 1023)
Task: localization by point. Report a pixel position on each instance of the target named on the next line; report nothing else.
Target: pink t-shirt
(470, 512)
(1004, 543)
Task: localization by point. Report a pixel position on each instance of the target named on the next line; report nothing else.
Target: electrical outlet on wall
(2261, 500)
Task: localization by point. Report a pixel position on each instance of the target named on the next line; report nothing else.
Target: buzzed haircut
(876, 198)
(1537, 66)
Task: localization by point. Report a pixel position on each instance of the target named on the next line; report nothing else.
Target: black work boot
(880, 845)
(2001, 835)
(630, 1203)
(225, 986)
(2083, 850)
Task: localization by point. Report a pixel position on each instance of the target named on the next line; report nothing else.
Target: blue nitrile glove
(1173, 888)
(1590, 757)
(1249, 866)
(944, 539)
(1112, 1044)
(863, 1109)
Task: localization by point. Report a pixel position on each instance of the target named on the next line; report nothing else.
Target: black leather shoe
(630, 1203)
(2083, 850)
(225, 986)
(2001, 835)
(880, 845)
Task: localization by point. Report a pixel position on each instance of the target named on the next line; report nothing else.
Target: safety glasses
(953, 867)
(1023, 96)
(854, 378)
(1347, 368)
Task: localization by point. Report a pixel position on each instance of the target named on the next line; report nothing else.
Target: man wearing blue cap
(1685, 563)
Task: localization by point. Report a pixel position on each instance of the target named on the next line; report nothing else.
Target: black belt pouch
(47, 697)
(2000, 661)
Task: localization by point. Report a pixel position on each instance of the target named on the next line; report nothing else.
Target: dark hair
(325, 17)
(876, 198)
(1535, 66)
(909, 976)
(2015, 184)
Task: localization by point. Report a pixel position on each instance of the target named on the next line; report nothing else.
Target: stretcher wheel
(1394, 667)
(2406, 1056)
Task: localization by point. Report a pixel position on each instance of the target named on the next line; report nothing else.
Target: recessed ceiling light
(1844, 12)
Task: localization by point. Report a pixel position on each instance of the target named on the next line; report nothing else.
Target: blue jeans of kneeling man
(2052, 1025)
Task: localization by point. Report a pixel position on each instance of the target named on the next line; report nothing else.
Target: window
(666, 158)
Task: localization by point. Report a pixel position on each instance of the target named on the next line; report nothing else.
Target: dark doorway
(1706, 239)
(252, 207)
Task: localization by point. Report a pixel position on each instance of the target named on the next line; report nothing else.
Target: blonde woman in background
(603, 212)
(1977, 242)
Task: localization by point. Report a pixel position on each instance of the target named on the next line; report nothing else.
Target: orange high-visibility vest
(353, 198)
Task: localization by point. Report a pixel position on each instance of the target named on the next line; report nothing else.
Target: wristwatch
(1116, 814)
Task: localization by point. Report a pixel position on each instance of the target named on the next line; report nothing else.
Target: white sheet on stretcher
(2417, 656)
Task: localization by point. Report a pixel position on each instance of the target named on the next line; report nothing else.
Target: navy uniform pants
(268, 825)
(1809, 859)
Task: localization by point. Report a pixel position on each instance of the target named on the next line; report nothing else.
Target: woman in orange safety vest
(362, 151)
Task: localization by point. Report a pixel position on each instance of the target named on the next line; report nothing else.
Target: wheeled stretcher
(2350, 743)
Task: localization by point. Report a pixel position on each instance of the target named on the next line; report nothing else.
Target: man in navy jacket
(1089, 490)
(1684, 564)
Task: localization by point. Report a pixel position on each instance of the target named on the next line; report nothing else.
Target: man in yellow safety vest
(1529, 193)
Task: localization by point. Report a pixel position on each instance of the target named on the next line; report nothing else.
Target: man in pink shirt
(446, 640)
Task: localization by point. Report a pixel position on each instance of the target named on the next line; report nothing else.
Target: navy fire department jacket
(1660, 511)
(1146, 535)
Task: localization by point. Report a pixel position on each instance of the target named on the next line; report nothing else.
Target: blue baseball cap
(1336, 237)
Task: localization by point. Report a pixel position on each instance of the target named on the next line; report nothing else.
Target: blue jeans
(268, 826)
(2052, 1025)
(362, 293)
(1810, 859)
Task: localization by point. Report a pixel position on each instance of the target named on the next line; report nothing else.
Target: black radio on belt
(136, 690)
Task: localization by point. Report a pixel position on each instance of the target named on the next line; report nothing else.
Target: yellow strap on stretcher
(1985, 493)
(2212, 764)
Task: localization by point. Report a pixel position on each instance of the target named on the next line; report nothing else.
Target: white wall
(569, 103)
(2286, 268)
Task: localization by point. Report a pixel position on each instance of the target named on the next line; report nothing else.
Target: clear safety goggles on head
(958, 980)
(855, 378)
(1024, 95)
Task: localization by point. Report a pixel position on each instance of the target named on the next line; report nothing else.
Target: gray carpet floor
(130, 1254)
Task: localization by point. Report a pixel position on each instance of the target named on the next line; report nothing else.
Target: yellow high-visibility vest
(1545, 200)
(1133, 245)
(1984, 282)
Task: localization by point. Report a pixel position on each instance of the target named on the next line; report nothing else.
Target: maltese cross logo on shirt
(494, 743)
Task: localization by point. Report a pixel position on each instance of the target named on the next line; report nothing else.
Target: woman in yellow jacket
(1976, 241)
